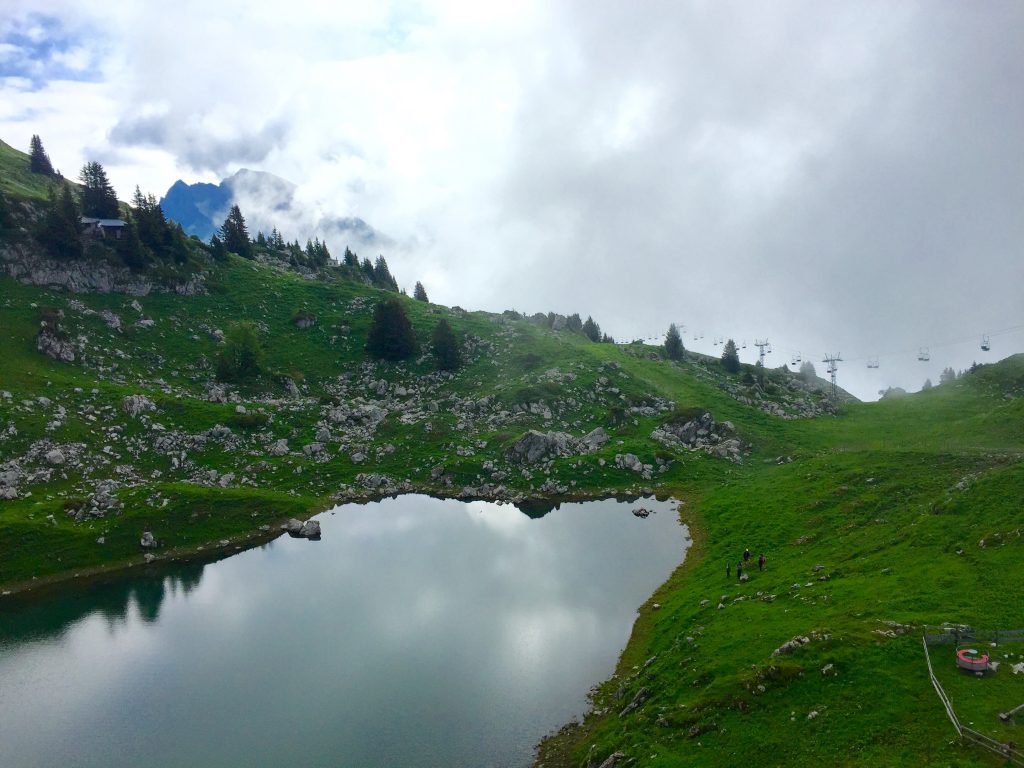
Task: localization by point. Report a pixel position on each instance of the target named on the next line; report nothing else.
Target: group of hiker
(741, 564)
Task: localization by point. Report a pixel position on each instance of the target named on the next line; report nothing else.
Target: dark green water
(418, 632)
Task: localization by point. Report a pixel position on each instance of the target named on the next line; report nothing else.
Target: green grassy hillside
(911, 507)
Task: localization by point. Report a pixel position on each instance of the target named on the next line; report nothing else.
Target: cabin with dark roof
(103, 228)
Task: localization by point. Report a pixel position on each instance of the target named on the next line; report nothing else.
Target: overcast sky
(834, 177)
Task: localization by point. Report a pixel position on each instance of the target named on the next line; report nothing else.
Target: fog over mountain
(835, 178)
(268, 202)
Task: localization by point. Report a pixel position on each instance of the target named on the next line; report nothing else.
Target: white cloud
(830, 177)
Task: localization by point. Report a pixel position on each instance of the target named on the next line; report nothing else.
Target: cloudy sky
(834, 177)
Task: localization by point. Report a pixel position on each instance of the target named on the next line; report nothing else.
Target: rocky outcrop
(302, 530)
(136, 405)
(148, 541)
(88, 276)
(701, 433)
(54, 345)
(534, 446)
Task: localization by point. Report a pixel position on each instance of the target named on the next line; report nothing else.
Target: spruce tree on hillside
(574, 323)
(591, 329)
(350, 259)
(446, 348)
(420, 293)
(947, 376)
(38, 160)
(217, 249)
(382, 277)
(730, 357)
(235, 235)
(674, 343)
(391, 336)
(99, 200)
(58, 229)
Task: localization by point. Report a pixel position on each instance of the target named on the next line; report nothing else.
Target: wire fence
(1007, 751)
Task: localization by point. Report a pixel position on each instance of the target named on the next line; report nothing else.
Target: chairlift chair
(985, 344)
(922, 355)
(872, 362)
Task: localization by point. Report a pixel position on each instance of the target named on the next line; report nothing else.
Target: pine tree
(58, 229)
(574, 323)
(606, 339)
(927, 384)
(39, 161)
(420, 293)
(730, 357)
(807, 372)
(217, 249)
(446, 348)
(350, 259)
(367, 269)
(153, 229)
(99, 200)
(235, 235)
(674, 343)
(134, 252)
(382, 277)
(391, 336)
(947, 376)
(591, 329)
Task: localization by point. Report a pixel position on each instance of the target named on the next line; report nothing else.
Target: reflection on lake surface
(418, 632)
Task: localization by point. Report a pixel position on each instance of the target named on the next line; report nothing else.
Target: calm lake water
(418, 632)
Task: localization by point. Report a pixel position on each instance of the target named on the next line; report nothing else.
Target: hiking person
(746, 555)
(761, 561)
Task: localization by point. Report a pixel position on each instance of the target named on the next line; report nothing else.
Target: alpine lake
(416, 632)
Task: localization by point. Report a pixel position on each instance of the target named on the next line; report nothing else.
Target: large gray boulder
(534, 446)
(52, 345)
(148, 541)
(136, 405)
(278, 448)
(55, 456)
(594, 440)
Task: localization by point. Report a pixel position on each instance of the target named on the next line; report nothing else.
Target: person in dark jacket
(761, 561)
(746, 555)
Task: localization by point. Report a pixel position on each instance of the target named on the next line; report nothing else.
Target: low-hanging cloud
(843, 178)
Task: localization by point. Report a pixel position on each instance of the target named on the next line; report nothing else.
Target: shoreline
(216, 550)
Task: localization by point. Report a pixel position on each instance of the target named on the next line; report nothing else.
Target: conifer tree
(574, 323)
(38, 160)
(382, 277)
(730, 357)
(235, 235)
(217, 249)
(391, 336)
(420, 293)
(446, 348)
(674, 343)
(58, 229)
(591, 329)
(350, 259)
(99, 200)
(367, 268)
(807, 371)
